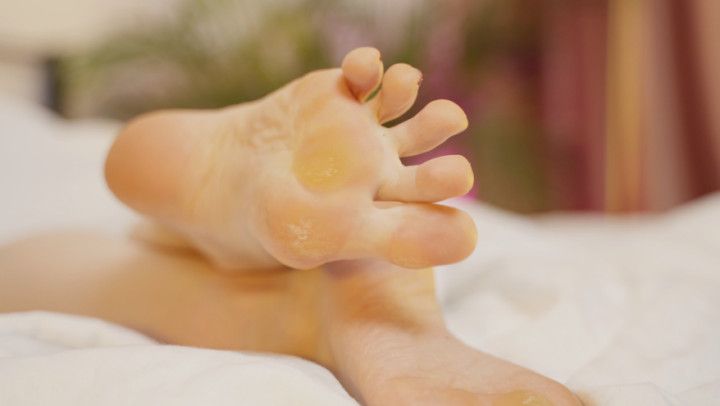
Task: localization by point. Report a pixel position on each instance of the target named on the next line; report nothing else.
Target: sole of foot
(307, 175)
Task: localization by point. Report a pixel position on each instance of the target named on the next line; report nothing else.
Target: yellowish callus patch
(307, 238)
(303, 233)
(521, 398)
(325, 163)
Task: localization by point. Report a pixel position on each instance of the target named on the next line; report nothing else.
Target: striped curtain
(631, 102)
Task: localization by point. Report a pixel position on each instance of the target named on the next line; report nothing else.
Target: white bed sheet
(626, 311)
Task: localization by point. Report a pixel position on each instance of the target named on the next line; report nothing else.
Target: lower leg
(171, 295)
(377, 327)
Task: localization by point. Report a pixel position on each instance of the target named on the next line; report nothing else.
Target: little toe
(399, 90)
(433, 125)
(362, 69)
(418, 235)
(432, 181)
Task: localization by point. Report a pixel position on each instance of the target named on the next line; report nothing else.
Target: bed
(624, 310)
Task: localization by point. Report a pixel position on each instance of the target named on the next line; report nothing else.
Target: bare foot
(376, 326)
(306, 175)
(389, 346)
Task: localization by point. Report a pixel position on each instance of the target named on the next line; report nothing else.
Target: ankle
(376, 291)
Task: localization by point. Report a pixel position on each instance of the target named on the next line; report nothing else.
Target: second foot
(388, 344)
(433, 368)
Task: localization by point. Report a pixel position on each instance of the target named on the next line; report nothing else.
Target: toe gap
(373, 94)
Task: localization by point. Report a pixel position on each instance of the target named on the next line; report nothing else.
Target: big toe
(417, 235)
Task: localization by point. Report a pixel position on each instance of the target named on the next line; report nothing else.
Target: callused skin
(378, 327)
(304, 176)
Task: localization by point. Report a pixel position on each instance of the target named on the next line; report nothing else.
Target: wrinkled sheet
(624, 310)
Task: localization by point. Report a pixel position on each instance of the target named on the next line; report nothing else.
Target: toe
(434, 124)
(362, 69)
(419, 235)
(399, 90)
(435, 180)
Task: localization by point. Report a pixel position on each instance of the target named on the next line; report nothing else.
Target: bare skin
(376, 326)
(304, 176)
(307, 178)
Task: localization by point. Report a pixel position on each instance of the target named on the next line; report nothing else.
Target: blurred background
(593, 105)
